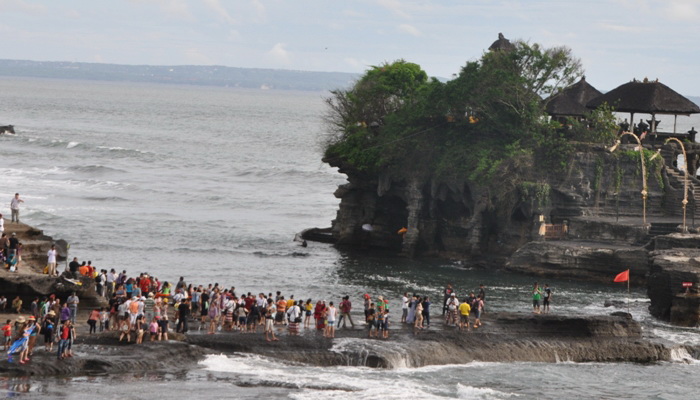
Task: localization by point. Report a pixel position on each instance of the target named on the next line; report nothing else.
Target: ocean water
(212, 184)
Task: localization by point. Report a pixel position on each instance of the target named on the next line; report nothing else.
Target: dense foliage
(395, 118)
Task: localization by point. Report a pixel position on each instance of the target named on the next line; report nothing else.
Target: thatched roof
(502, 44)
(572, 100)
(649, 97)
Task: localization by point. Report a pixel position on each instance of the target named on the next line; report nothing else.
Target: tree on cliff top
(394, 117)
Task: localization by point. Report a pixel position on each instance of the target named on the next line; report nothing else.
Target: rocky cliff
(489, 220)
(29, 282)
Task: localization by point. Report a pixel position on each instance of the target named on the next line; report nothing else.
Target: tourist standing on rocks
(447, 293)
(371, 320)
(404, 307)
(270, 321)
(547, 298)
(418, 324)
(65, 313)
(17, 305)
(308, 312)
(110, 280)
(536, 296)
(64, 337)
(48, 327)
(452, 304)
(51, 255)
(92, 320)
(183, 313)
(294, 314)
(7, 335)
(13, 243)
(330, 319)
(411, 315)
(4, 246)
(345, 307)
(14, 207)
(73, 301)
(367, 302)
(73, 267)
(464, 310)
(426, 311)
(478, 308)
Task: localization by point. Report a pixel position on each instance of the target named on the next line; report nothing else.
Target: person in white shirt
(404, 307)
(14, 207)
(109, 286)
(330, 318)
(51, 255)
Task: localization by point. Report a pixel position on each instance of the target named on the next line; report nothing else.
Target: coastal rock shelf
(95, 357)
(505, 337)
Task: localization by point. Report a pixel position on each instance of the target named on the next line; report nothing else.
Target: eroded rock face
(465, 219)
(30, 282)
(669, 300)
(582, 260)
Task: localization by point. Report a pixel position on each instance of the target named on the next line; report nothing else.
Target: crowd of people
(50, 318)
(142, 308)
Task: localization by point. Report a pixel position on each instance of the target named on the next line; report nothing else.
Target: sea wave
(94, 168)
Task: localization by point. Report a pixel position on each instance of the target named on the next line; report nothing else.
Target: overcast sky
(617, 40)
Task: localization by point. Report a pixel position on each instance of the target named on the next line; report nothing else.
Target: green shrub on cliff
(396, 119)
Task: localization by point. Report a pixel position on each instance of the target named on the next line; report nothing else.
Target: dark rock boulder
(592, 261)
(670, 301)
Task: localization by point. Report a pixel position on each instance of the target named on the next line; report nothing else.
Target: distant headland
(214, 75)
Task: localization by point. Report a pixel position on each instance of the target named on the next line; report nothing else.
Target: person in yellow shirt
(464, 310)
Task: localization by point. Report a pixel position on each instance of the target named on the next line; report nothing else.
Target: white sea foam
(680, 354)
(72, 144)
(677, 335)
(470, 392)
(348, 382)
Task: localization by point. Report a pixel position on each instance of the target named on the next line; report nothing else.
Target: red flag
(622, 276)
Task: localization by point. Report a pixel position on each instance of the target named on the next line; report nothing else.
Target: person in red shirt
(281, 308)
(7, 332)
(145, 284)
(63, 342)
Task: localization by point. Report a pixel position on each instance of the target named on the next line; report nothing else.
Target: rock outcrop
(670, 301)
(581, 260)
(505, 337)
(29, 282)
(468, 219)
(95, 357)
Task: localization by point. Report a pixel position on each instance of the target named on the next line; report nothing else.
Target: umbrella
(648, 97)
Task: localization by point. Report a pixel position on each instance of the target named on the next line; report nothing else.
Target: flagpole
(628, 296)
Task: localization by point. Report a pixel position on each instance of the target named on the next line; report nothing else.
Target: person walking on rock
(14, 207)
